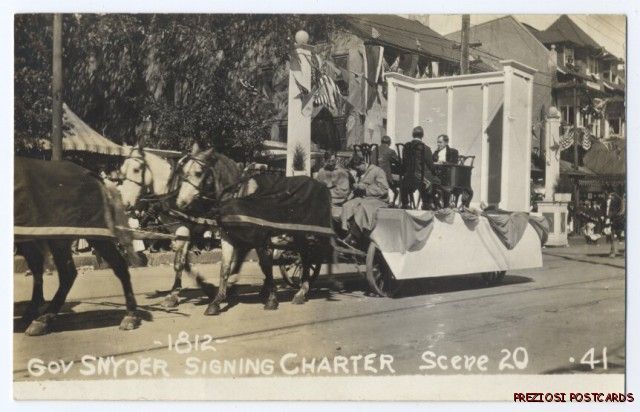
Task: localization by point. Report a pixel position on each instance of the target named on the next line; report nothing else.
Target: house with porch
(587, 77)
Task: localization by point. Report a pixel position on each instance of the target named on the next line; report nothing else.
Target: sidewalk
(580, 251)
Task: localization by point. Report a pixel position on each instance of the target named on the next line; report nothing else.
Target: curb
(154, 259)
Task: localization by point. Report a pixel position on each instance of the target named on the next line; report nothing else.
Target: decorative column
(484, 170)
(299, 125)
(391, 110)
(554, 207)
(505, 172)
(551, 152)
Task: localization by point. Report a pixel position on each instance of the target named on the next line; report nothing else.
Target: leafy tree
(195, 77)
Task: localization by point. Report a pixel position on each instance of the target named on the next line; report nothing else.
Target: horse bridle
(207, 174)
(141, 159)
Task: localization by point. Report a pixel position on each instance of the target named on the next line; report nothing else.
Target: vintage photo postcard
(320, 207)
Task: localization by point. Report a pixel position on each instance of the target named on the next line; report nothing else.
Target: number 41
(589, 358)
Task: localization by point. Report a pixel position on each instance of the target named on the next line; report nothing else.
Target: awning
(607, 158)
(566, 168)
(78, 136)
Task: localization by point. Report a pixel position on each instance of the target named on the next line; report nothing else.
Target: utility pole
(56, 135)
(464, 44)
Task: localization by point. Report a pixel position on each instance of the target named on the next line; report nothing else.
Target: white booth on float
(486, 115)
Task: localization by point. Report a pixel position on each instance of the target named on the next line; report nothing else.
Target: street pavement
(537, 321)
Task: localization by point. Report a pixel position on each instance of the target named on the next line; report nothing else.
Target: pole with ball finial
(299, 123)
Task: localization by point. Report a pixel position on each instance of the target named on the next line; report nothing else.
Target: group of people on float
(370, 185)
(375, 178)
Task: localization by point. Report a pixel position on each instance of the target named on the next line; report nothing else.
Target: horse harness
(144, 189)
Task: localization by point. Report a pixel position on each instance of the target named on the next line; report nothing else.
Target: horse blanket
(61, 199)
(291, 205)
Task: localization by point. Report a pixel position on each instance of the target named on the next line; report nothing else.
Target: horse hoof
(30, 314)
(130, 322)
(212, 310)
(298, 300)
(38, 327)
(170, 301)
(272, 304)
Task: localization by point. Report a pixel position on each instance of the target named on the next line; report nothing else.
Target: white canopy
(78, 136)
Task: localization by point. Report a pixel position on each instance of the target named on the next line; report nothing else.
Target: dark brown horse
(54, 203)
(34, 253)
(207, 174)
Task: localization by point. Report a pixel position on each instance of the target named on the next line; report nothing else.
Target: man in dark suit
(614, 219)
(445, 154)
(417, 161)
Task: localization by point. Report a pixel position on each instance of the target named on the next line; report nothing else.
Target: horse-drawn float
(411, 244)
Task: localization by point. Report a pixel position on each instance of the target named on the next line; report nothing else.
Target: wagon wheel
(493, 278)
(380, 278)
(291, 269)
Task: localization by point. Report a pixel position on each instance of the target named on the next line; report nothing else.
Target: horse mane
(225, 172)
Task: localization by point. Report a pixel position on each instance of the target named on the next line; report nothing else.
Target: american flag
(327, 93)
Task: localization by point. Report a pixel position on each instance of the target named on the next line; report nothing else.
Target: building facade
(364, 47)
(589, 89)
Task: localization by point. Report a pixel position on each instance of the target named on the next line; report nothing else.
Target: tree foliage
(215, 79)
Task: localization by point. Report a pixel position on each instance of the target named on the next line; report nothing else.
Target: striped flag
(576, 135)
(586, 139)
(567, 139)
(327, 93)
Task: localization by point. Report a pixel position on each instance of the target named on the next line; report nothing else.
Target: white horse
(143, 173)
(146, 174)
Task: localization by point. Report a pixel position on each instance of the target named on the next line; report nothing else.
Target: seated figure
(418, 171)
(369, 194)
(590, 233)
(336, 178)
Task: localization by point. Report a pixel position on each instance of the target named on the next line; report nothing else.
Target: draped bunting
(399, 231)
(363, 92)
(576, 135)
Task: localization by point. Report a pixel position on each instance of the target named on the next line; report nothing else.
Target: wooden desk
(454, 175)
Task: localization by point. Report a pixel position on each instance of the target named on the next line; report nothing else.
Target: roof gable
(565, 30)
(403, 33)
(507, 38)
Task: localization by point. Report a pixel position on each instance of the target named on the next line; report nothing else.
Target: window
(342, 61)
(568, 56)
(607, 72)
(282, 131)
(593, 66)
(567, 114)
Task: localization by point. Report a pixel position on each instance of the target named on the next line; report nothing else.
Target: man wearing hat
(418, 170)
(370, 193)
